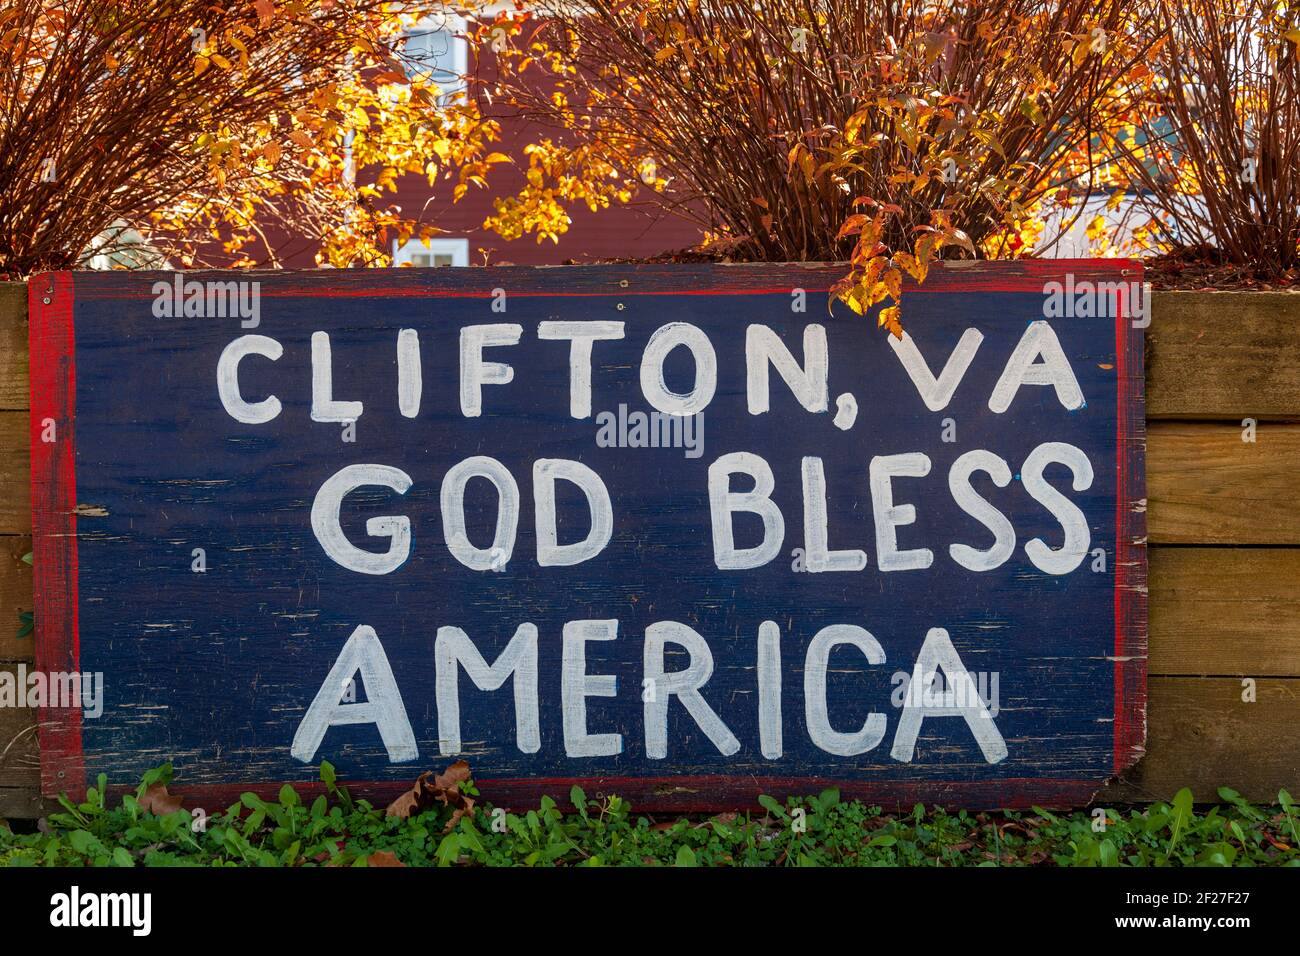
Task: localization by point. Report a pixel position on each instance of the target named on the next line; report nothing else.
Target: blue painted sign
(676, 532)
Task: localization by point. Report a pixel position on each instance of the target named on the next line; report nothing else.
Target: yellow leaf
(894, 283)
(889, 319)
(221, 61)
(200, 64)
(110, 61)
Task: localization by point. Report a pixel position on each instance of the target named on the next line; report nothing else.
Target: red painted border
(51, 339)
(53, 395)
(1130, 538)
(632, 280)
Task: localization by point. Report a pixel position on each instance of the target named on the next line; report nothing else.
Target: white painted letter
(497, 555)
(684, 685)
(409, 379)
(819, 558)
(549, 552)
(453, 649)
(323, 406)
(474, 372)
(581, 335)
(653, 386)
(576, 685)
(969, 500)
(937, 392)
(250, 413)
(890, 516)
(808, 384)
(961, 699)
(816, 713)
(397, 528)
(1077, 535)
(1022, 369)
(382, 707)
(723, 503)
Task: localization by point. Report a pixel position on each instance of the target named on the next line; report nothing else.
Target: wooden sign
(674, 532)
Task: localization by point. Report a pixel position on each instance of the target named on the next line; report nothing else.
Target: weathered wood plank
(1225, 611)
(1211, 355)
(15, 596)
(19, 763)
(15, 474)
(21, 803)
(13, 346)
(1217, 355)
(1201, 734)
(1207, 486)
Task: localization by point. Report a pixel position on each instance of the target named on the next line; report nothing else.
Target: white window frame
(458, 249)
(455, 27)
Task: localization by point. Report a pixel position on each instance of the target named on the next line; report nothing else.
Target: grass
(820, 830)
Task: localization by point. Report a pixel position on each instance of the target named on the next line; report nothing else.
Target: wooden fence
(1223, 521)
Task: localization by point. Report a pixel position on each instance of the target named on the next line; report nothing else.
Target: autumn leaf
(852, 225)
(889, 320)
(384, 858)
(893, 280)
(265, 11)
(430, 790)
(158, 801)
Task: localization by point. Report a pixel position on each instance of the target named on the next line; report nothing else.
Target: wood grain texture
(19, 763)
(15, 596)
(1214, 611)
(1204, 484)
(13, 346)
(1217, 355)
(1225, 611)
(15, 474)
(1207, 486)
(1200, 734)
(1211, 355)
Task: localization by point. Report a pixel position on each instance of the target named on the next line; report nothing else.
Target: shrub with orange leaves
(885, 133)
(1211, 145)
(211, 126)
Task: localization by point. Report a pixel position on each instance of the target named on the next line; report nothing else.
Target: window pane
(429, 55)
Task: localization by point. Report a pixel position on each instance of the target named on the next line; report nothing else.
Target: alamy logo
(57, 689)
(74, 908)
(975, 691)
(208, 300)
(1097, 300)
(650, 430)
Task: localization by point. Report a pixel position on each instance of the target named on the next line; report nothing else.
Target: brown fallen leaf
(384, 858)
(158, 801)
(431, 789)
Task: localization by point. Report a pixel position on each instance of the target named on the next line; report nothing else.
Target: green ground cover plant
(446, 825)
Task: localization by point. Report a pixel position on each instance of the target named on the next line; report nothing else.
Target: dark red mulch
(1196, 269)
(1207, 269)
